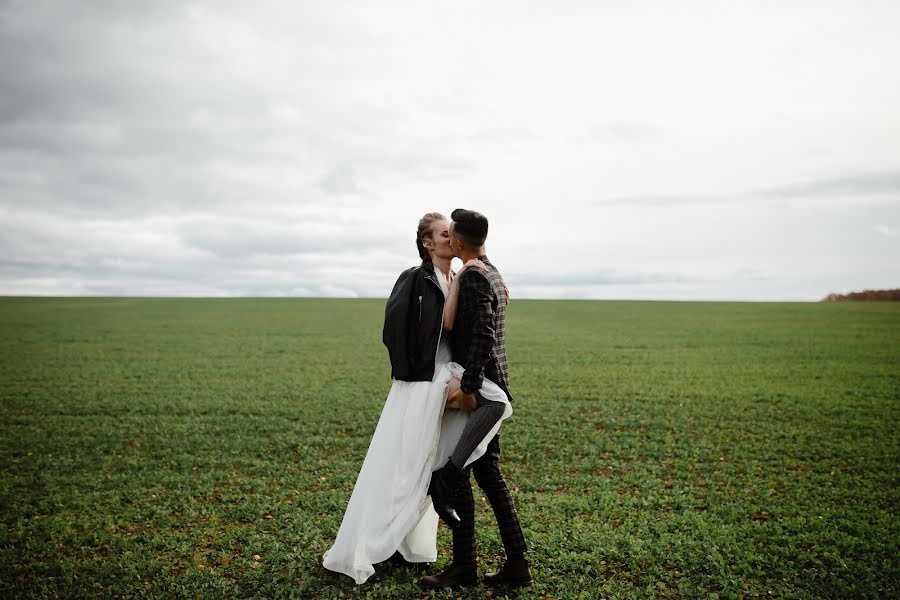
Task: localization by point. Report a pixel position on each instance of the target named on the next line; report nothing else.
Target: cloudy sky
(651, 150)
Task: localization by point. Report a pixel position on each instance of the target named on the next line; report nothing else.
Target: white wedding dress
(389, 509)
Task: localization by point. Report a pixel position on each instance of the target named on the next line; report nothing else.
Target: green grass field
(207, 448)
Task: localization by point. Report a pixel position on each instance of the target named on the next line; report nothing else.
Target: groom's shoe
(514, 572)
(442, 489)
(453, 576)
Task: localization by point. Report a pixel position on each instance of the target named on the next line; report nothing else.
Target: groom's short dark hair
(470, 226)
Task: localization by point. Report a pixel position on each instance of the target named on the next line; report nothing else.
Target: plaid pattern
(486, 414)
(479, 332)
(490, 480)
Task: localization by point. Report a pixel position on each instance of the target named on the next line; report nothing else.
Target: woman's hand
(477, 263)
(474, 262)
(456, 398)
(460, 399)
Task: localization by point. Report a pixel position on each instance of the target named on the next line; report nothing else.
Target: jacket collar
(427, 268)
(428, 272)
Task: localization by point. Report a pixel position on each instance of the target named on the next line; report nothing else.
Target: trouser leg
(490, 480)
(464, 533)
(486, 414)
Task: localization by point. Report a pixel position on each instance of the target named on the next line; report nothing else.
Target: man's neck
(467, 255)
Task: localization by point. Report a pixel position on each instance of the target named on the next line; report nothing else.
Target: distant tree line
(865, 295)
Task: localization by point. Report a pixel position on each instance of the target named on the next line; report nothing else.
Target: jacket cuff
(470, 386)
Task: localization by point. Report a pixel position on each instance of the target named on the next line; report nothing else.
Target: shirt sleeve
(476, 300)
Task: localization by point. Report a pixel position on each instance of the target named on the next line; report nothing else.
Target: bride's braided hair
(424, 231)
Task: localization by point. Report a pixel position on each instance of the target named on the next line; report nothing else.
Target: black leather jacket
(413, 323)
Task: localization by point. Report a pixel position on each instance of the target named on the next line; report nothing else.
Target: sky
(737, 150)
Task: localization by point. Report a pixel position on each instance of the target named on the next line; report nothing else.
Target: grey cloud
(655, 200)
(230, 238)
(339, 181)
(887, 231)
(589, 278)
(865, 184)
(124, 114)
(620, 132)
(190, 147)
(857, 185)
(191, 274)
(60, 59)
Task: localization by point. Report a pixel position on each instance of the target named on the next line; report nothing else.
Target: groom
(479, 344)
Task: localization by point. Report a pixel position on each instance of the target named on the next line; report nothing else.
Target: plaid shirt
(479, 331)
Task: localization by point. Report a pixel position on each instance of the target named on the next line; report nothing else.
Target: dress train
(389, 509)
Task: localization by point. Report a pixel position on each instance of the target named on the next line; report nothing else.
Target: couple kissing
(446, 338)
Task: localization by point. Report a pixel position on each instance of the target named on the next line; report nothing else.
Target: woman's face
(440, 239)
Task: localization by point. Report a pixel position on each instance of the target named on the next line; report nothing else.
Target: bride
(390, 512)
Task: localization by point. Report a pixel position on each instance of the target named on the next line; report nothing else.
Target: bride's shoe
(397, 560)
(442, 489)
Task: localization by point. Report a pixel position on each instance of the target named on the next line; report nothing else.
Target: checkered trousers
(490, 480)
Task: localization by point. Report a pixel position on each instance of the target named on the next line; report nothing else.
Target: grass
(207, 448)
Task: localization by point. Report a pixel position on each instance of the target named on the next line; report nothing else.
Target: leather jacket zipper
(420, 309)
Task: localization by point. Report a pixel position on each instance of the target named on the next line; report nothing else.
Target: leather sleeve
(396, 312)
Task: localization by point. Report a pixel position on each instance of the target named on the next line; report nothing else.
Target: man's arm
(477, 304)
(452, 302)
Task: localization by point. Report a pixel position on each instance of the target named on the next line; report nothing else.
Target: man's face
(455, 242)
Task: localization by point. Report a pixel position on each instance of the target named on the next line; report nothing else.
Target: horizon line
(250, 297)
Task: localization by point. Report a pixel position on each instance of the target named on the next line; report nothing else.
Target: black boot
(442, 489)
(397, 560)
(514, 572)
(452, 576)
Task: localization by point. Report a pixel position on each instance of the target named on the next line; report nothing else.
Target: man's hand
(460, 399)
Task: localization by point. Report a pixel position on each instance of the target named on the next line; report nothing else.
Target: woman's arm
(453, 297)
